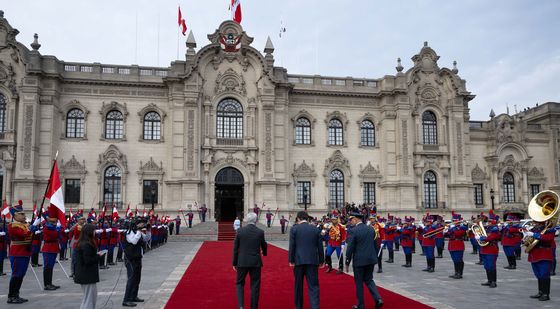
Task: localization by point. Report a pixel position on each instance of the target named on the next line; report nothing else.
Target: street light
(305, 198)
(153, 192)
(492, 198)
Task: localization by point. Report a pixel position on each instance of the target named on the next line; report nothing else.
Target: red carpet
(209, 282)
(226, 231)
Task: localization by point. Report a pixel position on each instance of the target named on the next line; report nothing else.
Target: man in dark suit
(306, 254)
(247, 247)
(361, 248)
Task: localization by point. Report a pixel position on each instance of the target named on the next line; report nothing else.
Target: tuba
(478, 229)
(542, 208)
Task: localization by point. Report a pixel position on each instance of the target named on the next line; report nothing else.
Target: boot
(461, 267)
(432, 265)
(409, 260)
(494, 279)
(340, 264)
(540, 293)
(439, 252)
(328, 261)
(429, 264)
(18, 288)
(397, 246)
(391, 256)
(513, 262)
(545, 290)
(488, 277)
(456, 275)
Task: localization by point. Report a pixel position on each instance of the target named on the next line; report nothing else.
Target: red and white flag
(129, 212)
(55, 196)
(181, 22)
(6, 210)
(236, 10)
(115, 216)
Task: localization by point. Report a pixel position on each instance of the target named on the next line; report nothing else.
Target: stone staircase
(226, 231)
(199, 232)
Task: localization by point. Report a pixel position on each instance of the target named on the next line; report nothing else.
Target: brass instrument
(434, 232)
(543, 208)
(478, 229)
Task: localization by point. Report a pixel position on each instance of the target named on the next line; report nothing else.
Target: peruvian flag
(144, 213)
(55, 196)
(129, 211)
(181, 22)
(102, 216)
(115, 213)
(6, 210)
(236, 11)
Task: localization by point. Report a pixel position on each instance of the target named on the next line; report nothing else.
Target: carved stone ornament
(505, 129)
(151, 168)
(536, 174)
(428, 94)
(509, 164)
(337, 161)
(230, 81)
(304, 170)
(73, 166)
(112, 156)
(8, 78)
(478, 174)
(426, 60)
(369, 172)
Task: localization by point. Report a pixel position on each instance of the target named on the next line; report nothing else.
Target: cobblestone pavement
(162, 269)
(440, 291)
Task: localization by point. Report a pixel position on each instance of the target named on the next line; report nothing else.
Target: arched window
(429, 128)
(430, 190)
(75, 125)
(509, 188)
(335, 132)
(336, 189)
(112, 186)
(114, 127)
(303, 131)
(229, 123)
(152, 126)
(3, 105)
(367, 133)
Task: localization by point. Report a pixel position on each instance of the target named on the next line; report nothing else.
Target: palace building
(227, 128)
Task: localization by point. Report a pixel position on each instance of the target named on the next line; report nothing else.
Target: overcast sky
(508, 51)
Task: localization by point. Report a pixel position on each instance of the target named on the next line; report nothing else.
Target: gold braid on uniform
(334, 233)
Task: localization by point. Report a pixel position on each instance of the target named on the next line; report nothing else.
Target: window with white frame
(229, 121)
(430, 190)
(75, 123)
(509, 188)
(429, 128)
(478, 195)
(303, 131)
(152, 126)
(367, 132)
(335, 132)
(114, 125)
(336, 189)
(303, 192)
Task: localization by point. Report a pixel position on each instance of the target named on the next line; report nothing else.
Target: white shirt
(236, 224)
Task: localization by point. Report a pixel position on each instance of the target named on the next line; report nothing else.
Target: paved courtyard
(163, 268)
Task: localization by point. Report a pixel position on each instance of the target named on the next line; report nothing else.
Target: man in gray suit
(247, 247)
(306, 254)
(361, 248)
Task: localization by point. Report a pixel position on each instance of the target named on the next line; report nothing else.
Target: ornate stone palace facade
(227, 128)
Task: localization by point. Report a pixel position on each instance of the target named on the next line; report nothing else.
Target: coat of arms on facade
(230, 42)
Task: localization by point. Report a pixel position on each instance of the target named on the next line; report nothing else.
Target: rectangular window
(509, 193)
(303, 192)
(369, 192)
(478, 197)
(150, 191)
(72, 191)
(535, 189)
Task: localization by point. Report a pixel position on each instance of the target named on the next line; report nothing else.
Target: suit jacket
(306, 245)
(247, 247)
(361, 246)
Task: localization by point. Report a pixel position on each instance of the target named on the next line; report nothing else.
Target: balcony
(229, 142)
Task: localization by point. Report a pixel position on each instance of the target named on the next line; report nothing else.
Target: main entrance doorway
(229, 194)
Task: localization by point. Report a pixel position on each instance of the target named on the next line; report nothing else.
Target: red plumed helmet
(20, 202)
(52, 212)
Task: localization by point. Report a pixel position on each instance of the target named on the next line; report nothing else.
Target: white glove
(445, 230)
(58, 224)
(422, 225)
(108, 230)
(120, 231)
(528, 234)
(2, 233)
(557, 232)
(37, 222)
(477, 237)
(38, 232)
(399, 228)
(342, 247)
(323, 232)
(452, 226)
(98, 231)
(66, 230)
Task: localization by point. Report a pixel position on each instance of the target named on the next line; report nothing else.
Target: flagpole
(136, 40)
(178, 36)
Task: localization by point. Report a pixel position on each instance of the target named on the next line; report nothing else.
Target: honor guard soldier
(269, 216)
(379, 225)
(407, 232)
(113, 243)
(20, 251)
(420, 234)
(456, 233)
(63, 243)
(51, 231)
(510, 236)
(474, 243)
(336, 243)
(541, 257)
(177, 225)
(413, 235)
(428, 244)
(397, 239)
(190, 217)
(489, 252)
(390, 232)
(440, 243)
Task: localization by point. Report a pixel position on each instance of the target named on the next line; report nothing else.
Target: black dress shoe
(128, 304)
(14, 300)
(138, 300)
(538, 295)
(50, 287)
(486, 283)
(379, 304)
(544, 297)
(493, 284)
(379, 271)
(111, 263)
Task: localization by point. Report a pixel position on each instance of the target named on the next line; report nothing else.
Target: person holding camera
(133, 253)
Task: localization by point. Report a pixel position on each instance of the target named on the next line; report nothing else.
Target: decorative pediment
(107, 107)
(505, 129)
(150, 169)
(73, 167)
(428, 94)
(337, 161)
(230, 81)
(304, 170)
(113, 156)
(369, 172)
(151, 108)
(426, 60)
(338, 115)
(71, 105)
(230, 36)
(536, 173)
(478, 174)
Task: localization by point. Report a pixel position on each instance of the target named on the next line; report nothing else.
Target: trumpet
(434, 232)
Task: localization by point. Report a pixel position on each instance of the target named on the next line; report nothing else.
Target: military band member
(113, 243)
(474, 243)
(440, 243)
(407, 232)
(541, 257)
(428, 244)
(397, 239)
(63, 243)
(51, 231)
(378, 224)
(456, 233)
(390, 232)
(20, 251)
(177, 225)
(510, 238)
(489, 252)
(336, 243)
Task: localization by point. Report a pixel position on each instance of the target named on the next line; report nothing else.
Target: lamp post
(153, 192)
(492, 198)
(305, 198)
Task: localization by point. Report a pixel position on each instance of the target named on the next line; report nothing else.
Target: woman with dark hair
(87, 266)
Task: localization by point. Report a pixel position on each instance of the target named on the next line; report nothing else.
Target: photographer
(133, 252)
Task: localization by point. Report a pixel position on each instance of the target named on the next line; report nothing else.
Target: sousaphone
(543, 208)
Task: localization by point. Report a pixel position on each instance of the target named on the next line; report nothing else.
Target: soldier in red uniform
(63, 242)
(428, 244)
(407, 232)
(378, 226)
(440, 243)
(390, 233)
(541, 258)
(3, 245)
(20, 251)
(50, 248)
(510, 238)
(113, 243)
(489, 252)
(456, 232)
(336, 242)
